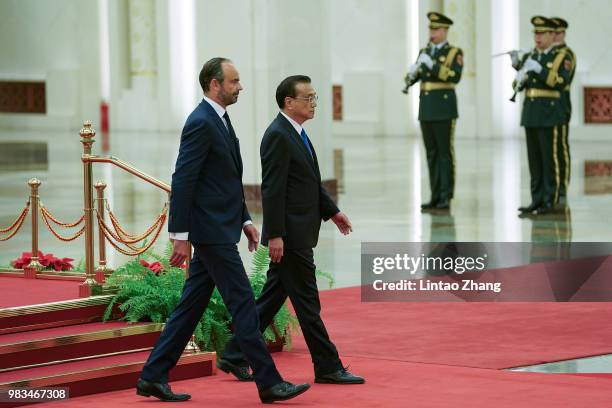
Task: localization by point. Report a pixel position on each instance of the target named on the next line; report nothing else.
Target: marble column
(138, 104)
(143, 55)
(463, 34)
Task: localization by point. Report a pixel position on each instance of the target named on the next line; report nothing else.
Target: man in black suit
(207, 208)
(294, 203)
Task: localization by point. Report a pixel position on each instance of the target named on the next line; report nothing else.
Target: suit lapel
(315, 162)
(297, 139)
(233, 150)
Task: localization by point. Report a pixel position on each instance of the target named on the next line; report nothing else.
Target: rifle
(409, 79)
(520, 86)
(518, 52)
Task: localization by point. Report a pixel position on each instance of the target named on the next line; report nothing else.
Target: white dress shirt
(539, 53)
(298, 128)
(436, 47)
(184, 236)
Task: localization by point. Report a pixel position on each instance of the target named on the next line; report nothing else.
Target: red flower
(25, 259)
(62, 264)
(155, 267)
(48, 261)
(22, 261)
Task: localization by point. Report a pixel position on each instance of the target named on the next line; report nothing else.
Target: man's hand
(343, 223)
(252, 235)
(276, 246)
(412, 70)
(426, 60)
(532, 65)
(180, 251)
(519, 78)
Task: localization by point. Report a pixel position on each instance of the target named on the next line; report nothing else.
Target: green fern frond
(142, 295)
(328, 276)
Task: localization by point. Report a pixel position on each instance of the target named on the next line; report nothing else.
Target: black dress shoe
(282, 392)
(530, 208)
(242, 373)
(159, 390)
(429, 205)
(546, 208)
(341, 376)
(443, 204)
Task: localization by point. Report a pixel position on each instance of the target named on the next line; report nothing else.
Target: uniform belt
(542, 93)
(436, 86)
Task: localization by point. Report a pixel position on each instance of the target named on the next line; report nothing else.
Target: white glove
(413, 69)
(425, 59)
(521, 74)
(514, 56)
(532, 65)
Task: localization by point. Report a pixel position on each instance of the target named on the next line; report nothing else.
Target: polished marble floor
(595, 364)
(385, 182)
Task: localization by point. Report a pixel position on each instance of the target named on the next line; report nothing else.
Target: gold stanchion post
(89, 287)
(102, 271)
(192, 346)
(34, 266)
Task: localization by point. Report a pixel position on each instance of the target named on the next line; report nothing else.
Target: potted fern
(148, 288)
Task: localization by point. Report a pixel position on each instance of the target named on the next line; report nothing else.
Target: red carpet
(60, 331)
(82, 365)
(430, 355)
(21, 292)
(390, 384)
(484, 335)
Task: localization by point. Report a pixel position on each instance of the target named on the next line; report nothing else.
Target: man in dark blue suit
(207, 208)
(294, 203)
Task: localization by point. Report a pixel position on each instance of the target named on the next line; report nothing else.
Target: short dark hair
(287, 88)
(212, 70)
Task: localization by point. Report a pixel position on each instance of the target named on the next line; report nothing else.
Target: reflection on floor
(595, 364)
(385, 182)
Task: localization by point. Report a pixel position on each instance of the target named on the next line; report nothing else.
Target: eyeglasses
(311, 99)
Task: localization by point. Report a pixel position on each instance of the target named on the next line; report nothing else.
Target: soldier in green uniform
(543, 74)
(438, 68)
(563, 153)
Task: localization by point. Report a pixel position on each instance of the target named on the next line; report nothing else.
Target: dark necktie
(228, 123)
(305, 141)
(231, 136)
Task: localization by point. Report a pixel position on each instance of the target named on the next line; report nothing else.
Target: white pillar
(137, 107)
(143, 56)
(462, 34)
(504, 36)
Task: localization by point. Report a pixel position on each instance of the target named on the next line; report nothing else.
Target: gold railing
(125, 166)
(114, 233)
(90, 286)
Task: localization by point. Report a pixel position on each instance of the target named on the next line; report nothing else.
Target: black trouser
(295, 277)
(563, 158)
(543, 165)
(212, 265)
(438, 139)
